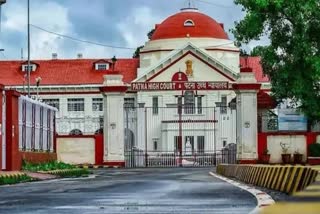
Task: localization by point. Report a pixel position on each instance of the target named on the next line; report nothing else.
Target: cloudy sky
(122, 23)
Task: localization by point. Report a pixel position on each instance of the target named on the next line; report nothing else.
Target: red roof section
(82, 71)
(255, 64)
(204, 26)
(66, 72)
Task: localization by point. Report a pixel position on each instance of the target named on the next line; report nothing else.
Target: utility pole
(28, 70)
(1, 3)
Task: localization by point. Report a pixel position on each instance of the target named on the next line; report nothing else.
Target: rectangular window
(129, 103)
(97, 104)
(189, 145)
(76, 104)
(31, 67)
(223, 107)
(224, 143)
(102, 67)
(199, 105)
(155, 145)
(155, 105)
(189, 102)
(52, 102)
(200, 144)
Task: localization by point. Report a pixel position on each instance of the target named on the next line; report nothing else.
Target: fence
(139, 158)
(36, 125)
(171, 136)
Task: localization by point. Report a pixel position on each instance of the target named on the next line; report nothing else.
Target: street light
(1, 3)
(29, 70)
(38, 80)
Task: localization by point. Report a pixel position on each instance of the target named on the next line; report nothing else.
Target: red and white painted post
(2, 150)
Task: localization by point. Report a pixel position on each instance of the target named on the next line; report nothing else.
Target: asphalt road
(183, 190)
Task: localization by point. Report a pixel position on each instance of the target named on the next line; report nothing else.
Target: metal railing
(139, 158)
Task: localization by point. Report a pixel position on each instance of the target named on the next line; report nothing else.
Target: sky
(120, 23)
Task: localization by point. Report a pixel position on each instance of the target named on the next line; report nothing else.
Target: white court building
(181, 88)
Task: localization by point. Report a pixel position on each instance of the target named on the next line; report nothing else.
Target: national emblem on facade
(189, 69)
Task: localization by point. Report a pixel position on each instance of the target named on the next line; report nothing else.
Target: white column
(114, 92)
(246, 89)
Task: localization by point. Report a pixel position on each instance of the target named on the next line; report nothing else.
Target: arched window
(188, 23)
(75, 132)
(99, 131)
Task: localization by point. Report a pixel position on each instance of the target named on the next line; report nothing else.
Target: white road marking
(263, 198)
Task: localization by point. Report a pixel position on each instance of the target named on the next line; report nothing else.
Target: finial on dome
(191, 7)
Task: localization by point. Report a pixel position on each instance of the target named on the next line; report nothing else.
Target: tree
(257, 51)
(150, 34)
(292, 60)
(136, 54)
(137, 51)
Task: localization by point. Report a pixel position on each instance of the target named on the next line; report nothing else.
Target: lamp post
(29, 69)
(1, 3)
(38, 80)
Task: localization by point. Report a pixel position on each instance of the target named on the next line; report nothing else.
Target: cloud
(134, 28)
(42, 43)
(112, 22)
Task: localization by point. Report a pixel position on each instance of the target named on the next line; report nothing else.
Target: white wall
(152, 58)
(76, 150)
(295, 143)
(87, 121)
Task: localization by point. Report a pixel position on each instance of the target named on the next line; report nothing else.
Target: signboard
(172, 86)
(291, 120)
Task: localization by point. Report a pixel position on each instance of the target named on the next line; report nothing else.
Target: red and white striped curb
(263, 198)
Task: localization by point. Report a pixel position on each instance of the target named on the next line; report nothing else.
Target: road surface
(180, 190)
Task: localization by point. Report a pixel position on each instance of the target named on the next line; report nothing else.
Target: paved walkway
(40, 176)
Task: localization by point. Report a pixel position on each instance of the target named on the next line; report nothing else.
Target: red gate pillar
(114, 92)
(13, 157)
(1, 123)
(246, 89)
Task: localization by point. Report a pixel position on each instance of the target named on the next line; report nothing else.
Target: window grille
(155, 105)
(200, 144)
(102, 66)
(52, 102)
(76, 104)
(129, 103)
(97, 104)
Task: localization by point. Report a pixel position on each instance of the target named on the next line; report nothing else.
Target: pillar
(13, 156)
(113, 92)
(1, 124)
(246, 90)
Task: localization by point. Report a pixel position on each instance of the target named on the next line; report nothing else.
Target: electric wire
(107, 45)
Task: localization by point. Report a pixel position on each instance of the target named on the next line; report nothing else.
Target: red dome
(176, 26)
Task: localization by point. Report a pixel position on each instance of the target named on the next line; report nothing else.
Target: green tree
(257, 51)
(136, 54)
(292, 60)
(150, 33)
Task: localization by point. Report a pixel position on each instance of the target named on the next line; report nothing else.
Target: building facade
(181, 86)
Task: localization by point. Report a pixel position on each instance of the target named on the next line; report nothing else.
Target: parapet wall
(288, 179)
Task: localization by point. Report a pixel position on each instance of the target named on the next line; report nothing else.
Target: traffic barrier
(287, 178)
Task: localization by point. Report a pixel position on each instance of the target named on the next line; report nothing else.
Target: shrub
(53, 165)
(314, 150)
(14, 179)
(73, 173)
